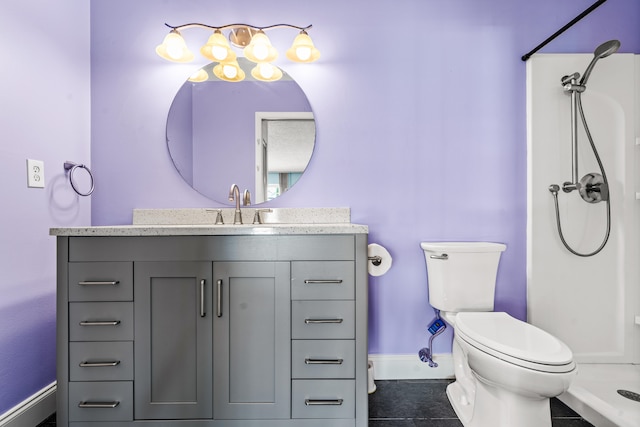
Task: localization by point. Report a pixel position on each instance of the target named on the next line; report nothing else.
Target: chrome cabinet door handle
(443, 256)
(309, 361)
(323, 402)
(219, 297)
(98, 404)
(98, 282)
(202, 301)
(99, 364)
(100, 323)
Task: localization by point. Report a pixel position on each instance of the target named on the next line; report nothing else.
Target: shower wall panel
(591, 303)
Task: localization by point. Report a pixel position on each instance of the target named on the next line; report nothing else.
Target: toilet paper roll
(376, 250)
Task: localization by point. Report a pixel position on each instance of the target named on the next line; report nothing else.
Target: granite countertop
(191, 222)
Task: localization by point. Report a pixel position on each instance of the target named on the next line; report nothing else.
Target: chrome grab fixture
(317, 321)
(99, 364)
(219, 219)
(70, 168)
(309, 361)
(257, 218)
(592, 187)
(323, 402)
(234, 194)
(98, 405)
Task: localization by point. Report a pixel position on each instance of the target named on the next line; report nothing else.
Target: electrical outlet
(35, 173)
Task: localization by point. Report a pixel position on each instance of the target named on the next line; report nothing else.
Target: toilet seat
(514, 341)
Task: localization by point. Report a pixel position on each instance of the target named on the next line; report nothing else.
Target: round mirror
(256, 134)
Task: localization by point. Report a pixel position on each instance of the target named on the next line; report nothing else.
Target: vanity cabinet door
(252, 352)
(173, 340)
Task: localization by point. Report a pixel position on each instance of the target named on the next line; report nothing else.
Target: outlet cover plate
(35, 173)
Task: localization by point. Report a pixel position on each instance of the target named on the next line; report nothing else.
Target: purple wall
(423, 134)
(44, 100)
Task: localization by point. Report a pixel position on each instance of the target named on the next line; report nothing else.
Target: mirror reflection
(259, 135)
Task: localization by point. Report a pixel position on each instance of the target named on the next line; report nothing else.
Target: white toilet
(506, 369)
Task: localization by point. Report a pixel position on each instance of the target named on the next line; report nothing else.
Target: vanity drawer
(101, 281)
(323, 399)
(101, 401)
(322, 319)
(322, 280)
(323, 358)
(101, 321)
(101, 361)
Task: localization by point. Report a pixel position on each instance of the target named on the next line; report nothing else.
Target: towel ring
(70, 167)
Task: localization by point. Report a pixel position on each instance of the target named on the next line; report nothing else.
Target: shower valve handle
(568, 187)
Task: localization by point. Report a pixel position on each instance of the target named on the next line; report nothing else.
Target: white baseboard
(410, 367)
(33, 410)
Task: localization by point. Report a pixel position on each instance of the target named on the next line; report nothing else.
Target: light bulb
(260, 51)
(229, 71)
(266, 70)
(303, 53)
(219, 53)
(175, 46)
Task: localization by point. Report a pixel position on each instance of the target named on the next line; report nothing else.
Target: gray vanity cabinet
(212, 330)
(252, 369)
(173, 344)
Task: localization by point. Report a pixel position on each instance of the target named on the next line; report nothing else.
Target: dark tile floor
(423, 403)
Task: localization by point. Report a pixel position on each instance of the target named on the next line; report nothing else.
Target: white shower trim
(33, 410)
(410, 367)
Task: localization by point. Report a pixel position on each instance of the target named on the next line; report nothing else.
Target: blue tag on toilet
(436, 325)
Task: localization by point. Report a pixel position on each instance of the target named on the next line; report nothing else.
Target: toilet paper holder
(375, 260)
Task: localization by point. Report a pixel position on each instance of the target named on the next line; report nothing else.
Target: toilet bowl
(515, 369)
(506, 369)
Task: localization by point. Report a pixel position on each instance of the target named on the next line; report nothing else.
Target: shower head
(602, 51)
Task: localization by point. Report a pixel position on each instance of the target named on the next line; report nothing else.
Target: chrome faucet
(234, 194)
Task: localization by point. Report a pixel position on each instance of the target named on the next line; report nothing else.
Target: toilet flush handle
(443, 256)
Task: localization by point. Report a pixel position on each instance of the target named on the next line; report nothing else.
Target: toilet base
(496, 407)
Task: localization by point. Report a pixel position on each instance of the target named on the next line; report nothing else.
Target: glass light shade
(174, 49)
(217, 48)
(260, 49)
(266, 72)
(229, 71)
(302, 49)
(199, 76)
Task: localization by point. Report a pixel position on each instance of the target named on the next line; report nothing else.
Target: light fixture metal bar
(233, 26)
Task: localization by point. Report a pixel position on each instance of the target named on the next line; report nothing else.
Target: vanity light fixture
(256, 48)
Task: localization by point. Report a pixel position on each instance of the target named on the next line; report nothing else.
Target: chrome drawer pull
(99, 364)
(98, 282)
(323, 361)
(100, 323)
(323, 402)
(203, 313)
(107, 405)
(313, 321)
(443, 256)
(311, 281)
(219, 298)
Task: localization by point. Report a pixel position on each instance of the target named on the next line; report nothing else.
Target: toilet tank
(462, 275)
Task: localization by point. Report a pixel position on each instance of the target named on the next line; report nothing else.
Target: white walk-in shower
(591, 303)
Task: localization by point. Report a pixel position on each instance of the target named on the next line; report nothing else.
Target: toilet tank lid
(507, 335)
(470, 247)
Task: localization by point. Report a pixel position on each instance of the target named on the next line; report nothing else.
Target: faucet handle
(219, 220)
(257, 219)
